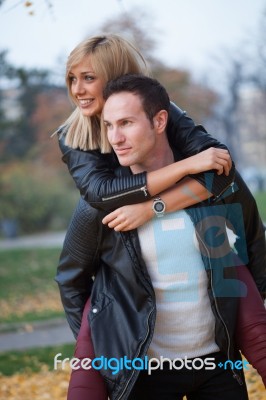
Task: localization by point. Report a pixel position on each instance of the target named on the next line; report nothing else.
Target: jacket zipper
(237, 377)
(144, 340)
(232, 184)
(116, 196)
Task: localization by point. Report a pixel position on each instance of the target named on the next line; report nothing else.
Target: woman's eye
(72, 79)
(89, 78)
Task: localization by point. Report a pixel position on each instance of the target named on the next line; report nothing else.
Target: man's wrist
(158, 207)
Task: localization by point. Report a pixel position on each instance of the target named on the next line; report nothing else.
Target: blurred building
(252, 137)
(10, 103)
(252, 119)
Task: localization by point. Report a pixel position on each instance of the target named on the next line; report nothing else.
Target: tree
(196, 99)
(131, 25)
(257, 71)
(29, 5)
(241, 112)
(52, 109)
(18, 134)
(6, 124)
(227, 114)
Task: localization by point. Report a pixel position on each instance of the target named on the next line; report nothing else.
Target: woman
(90, 65)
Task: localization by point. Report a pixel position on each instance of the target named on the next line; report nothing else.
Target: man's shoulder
(86, 213)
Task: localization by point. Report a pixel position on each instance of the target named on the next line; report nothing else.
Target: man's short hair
(152, 94)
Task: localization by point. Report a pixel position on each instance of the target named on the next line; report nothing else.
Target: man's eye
(124, 123)
(107, 125)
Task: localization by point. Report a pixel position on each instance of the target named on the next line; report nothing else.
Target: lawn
(32, 360)
(29, 374)
(261, 202)
(28, 291)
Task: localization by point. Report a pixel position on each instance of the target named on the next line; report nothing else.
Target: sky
(189, 32)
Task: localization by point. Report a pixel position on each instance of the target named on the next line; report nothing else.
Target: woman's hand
(212, 158)
(129, 217)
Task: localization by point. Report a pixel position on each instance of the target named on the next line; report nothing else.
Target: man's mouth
(122, 150)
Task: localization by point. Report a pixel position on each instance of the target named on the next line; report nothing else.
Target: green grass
(28, 318)
(261, 202)
(32, 360)
(27, 278)
(27, 271)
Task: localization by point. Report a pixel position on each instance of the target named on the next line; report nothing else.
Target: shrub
(36, 197)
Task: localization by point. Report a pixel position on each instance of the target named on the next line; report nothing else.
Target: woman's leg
(251, 326)
(86, 383)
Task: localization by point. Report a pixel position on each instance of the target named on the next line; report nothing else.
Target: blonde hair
(111, 56)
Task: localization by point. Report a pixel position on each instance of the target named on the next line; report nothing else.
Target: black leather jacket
(99, 184)
(94, 173)
(123, 310)
(122, 296)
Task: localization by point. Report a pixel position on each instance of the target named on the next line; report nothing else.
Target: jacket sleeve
(95, 177)
(190, 139)
(78, 263)
(245, 221)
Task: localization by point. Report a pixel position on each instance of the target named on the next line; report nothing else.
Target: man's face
(129, 130)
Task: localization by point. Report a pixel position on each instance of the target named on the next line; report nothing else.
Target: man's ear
(160, 121)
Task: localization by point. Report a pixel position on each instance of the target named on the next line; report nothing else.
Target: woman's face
(86, 88)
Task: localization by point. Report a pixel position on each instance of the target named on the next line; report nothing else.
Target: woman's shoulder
(61, 130)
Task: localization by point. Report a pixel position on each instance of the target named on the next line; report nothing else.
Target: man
(159, 270)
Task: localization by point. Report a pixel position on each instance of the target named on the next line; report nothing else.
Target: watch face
(159, 206)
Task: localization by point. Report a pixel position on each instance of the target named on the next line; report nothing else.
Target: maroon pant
(250, 335)
(86, 384)
(251, 325)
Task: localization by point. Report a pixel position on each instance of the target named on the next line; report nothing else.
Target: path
(37, 334)
(41, 334)
(50, 239)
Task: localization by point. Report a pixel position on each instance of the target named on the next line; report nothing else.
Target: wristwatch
(158, 207)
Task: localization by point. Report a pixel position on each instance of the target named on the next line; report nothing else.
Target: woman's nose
(78, 88)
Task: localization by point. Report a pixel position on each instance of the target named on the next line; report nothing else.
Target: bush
(36, 198)
(261, 202)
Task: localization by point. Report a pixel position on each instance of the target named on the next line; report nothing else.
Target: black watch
(158, 207)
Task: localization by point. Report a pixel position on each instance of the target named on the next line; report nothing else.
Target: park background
(211, 57)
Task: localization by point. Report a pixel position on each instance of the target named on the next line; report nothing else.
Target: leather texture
(101, 184)
(123, 308)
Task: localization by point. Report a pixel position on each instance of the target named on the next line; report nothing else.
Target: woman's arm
(93, 171)
(99, 185)
(95, 177)
(190, 139)
(211, 159)
(184, 194)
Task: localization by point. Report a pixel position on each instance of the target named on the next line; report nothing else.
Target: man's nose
(115, 136)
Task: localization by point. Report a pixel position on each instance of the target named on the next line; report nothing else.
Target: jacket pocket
(102, 301)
